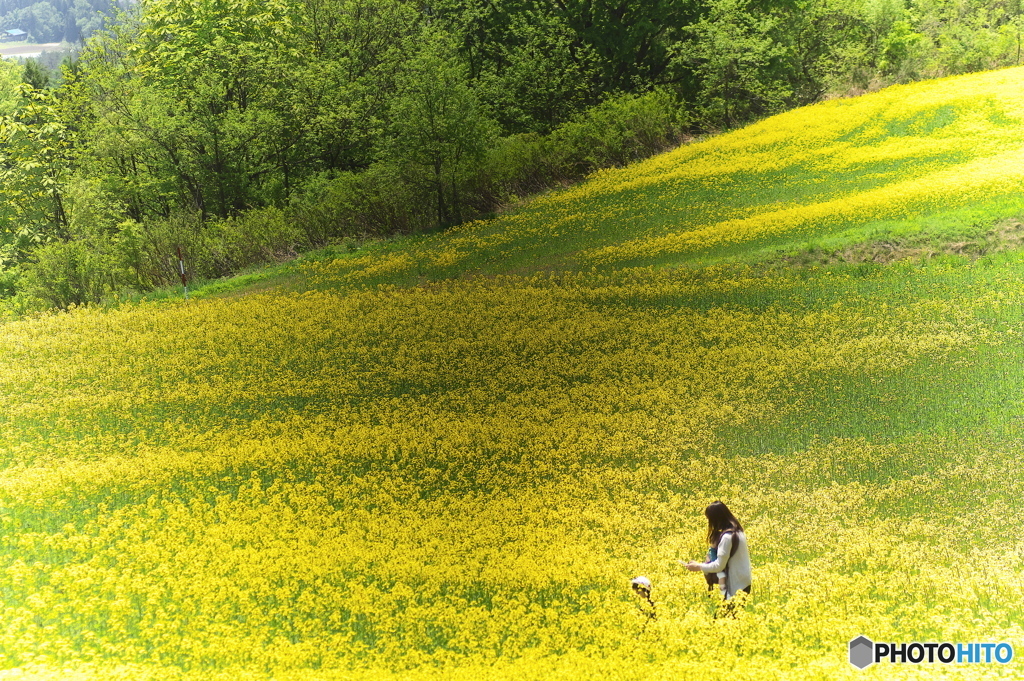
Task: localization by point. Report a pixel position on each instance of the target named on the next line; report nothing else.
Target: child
(714, 578)
(642, 588)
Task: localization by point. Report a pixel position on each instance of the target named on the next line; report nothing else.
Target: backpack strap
(735, 542)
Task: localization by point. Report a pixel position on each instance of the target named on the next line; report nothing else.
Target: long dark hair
(720, 520)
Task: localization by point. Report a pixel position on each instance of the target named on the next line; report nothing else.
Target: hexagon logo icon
(862, 652)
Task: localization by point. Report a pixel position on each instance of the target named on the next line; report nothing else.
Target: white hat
(641, 581)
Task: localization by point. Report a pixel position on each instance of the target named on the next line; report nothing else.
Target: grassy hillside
(445, 457)
(941, 157)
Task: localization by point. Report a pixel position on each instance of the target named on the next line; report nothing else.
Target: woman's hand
(692, 566)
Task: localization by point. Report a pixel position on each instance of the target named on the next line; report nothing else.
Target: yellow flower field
(457, 479)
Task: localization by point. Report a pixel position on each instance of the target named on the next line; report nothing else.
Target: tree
(35, 75)
(633, 39)
(219, 107)
(540, 63)
(526, 62)
(734, 52)
(352, 51)
(439, 128)
(35, 149)
(43, 22)
(11, 76)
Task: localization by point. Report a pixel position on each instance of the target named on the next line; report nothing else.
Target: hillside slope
(938, 158)
(445, 457)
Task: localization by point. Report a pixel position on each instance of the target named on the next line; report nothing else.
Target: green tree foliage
(11, 76)
(632, 38)
(734, 53)
(352, 51)
(439, 128)
(538, 76)
(34, 164)
(751, 58)
(541, 63)
(41, 20)
(35, 75)
(187, 104)
(216, 109)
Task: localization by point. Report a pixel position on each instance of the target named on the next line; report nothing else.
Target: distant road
(28, 50)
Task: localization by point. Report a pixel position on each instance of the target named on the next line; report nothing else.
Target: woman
(729, 555)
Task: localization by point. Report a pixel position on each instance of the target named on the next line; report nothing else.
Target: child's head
(642, 586)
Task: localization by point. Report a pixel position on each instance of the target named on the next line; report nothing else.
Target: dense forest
(52, 21)
(244, 131)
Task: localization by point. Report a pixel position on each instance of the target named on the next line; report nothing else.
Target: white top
(737, 568)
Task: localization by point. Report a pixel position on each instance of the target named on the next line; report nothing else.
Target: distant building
(13, 34)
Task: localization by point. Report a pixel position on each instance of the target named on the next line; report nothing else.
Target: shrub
(157, 254)
(520, 165)
(619, 131)
(615, 133)
(68, 273)
(255, 237)
(374, 202)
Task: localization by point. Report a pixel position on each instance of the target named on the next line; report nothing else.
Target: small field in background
(444, 457)
(22, 49)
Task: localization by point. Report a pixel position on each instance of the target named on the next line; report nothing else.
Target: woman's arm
(719, 563)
